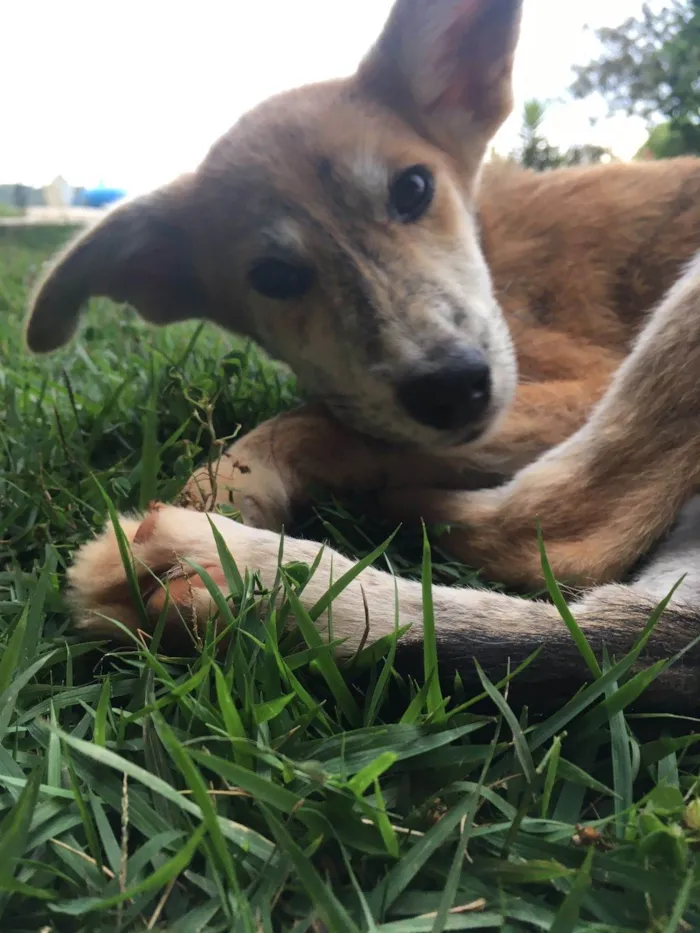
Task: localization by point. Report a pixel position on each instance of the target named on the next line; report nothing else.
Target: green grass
(264, 790)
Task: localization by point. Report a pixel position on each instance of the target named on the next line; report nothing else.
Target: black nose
(452, 395)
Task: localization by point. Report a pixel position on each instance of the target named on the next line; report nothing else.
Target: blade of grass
(195, 782)
(567, 616)
(9, 662)
(325, 661)
(247, 839)
(154, 883)
(434, 703)
(347, 578)
(521, 747)
(150, 450)
(566, 920)
(323, 899)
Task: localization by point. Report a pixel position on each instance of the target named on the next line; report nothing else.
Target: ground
(43, 216)
(265, 790)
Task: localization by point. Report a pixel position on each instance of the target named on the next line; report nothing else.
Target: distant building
(59, 193)
(34, 196)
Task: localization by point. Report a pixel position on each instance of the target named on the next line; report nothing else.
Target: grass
(8, 210)
(266, 790)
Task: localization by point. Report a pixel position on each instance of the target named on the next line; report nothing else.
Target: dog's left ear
(140, 253)
(446, 67)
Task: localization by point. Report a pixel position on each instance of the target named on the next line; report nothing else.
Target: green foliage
(269, 789)
(536, 151)
(663, 142)
(650, 66)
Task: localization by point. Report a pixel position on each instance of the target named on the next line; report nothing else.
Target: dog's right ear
(446, 67)
(140, 253)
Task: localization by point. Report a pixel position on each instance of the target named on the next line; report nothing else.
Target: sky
(132, 92)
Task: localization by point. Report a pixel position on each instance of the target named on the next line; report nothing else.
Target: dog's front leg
(170, 545)
(605, 495)
(268, 471)
(274, 468)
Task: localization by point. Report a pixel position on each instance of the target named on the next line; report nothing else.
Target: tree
(20, 196)
(536, 152)
(663, 142)
(650, 67)
(586, 154)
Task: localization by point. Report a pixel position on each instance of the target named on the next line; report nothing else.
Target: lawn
(260, 790)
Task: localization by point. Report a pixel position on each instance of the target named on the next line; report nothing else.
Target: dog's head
(336, 225)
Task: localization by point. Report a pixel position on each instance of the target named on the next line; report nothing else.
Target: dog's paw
(255, 492)
(161, 544)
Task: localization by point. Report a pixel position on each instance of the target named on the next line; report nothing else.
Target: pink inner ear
(468, 51)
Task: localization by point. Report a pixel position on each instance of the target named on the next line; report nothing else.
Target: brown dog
(352, 230)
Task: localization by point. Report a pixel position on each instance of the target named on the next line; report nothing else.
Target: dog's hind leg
(609, 492)
(501, 631)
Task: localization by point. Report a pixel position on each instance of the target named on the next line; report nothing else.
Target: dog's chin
(444, 440)
(415, 436)
(419, 436)
(405, 432)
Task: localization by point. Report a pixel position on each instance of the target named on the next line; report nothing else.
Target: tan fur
(579, 258)
(499, 630)
(576, 275)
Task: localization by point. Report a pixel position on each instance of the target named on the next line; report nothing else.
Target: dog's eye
(275, 278)
(411, 193)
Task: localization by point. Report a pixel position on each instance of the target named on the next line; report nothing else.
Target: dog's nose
(450, 396)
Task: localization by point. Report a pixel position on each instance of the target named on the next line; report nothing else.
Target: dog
(488, 347)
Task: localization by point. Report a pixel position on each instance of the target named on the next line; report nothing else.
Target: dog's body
(349, 228)
(579, 258)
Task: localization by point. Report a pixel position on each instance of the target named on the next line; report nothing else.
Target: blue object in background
(99, 197)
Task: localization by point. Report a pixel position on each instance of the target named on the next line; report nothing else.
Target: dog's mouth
(406, 431)
(445, 440)
(468, 436)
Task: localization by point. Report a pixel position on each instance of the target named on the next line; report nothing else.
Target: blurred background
(102, 100)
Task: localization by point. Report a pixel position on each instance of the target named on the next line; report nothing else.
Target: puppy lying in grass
(462, 326)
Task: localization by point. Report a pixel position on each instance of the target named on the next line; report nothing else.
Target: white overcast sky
(132, 92)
